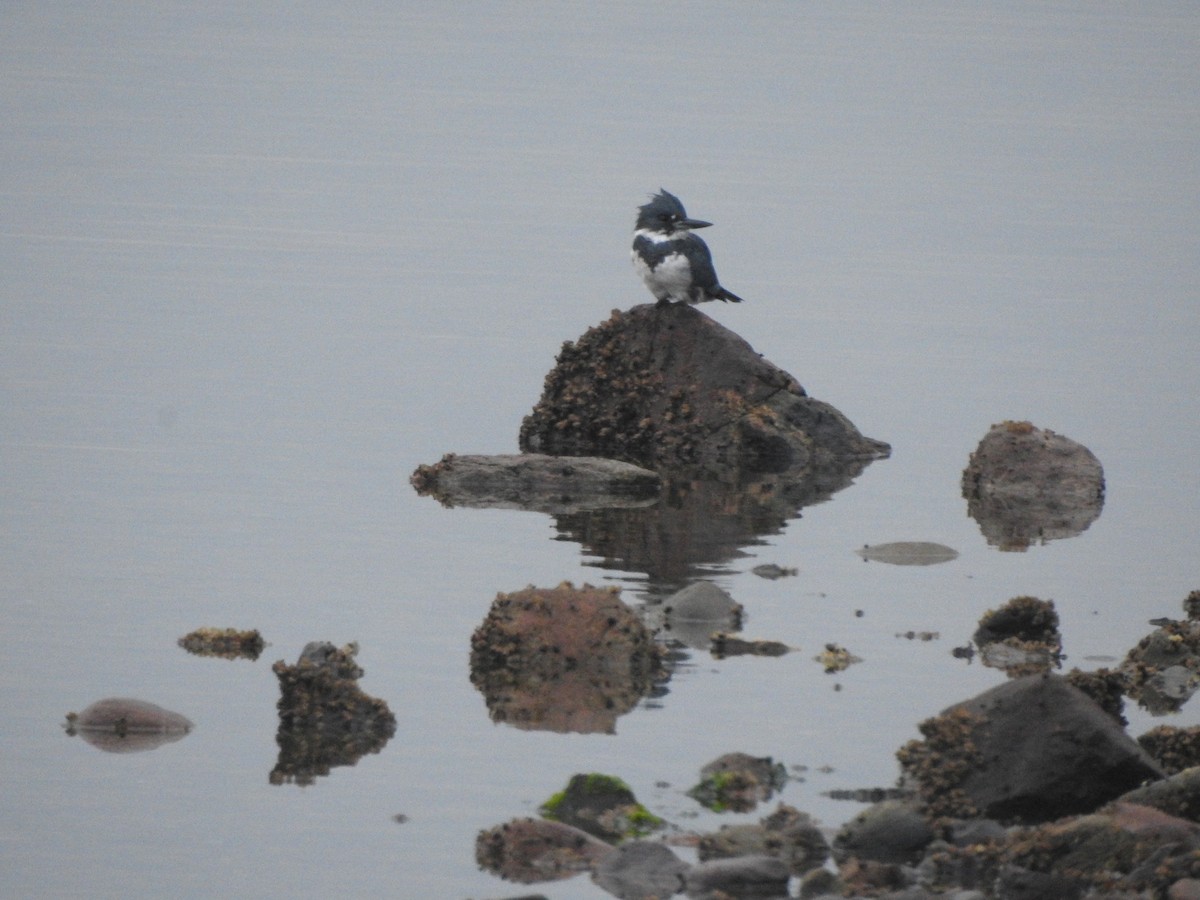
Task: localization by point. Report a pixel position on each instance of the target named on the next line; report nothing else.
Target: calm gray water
(261, 260)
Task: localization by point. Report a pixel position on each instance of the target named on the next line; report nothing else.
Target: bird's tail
(726, 296)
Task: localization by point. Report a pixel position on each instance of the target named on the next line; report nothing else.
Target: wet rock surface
(535, 481)
(1025, 485)
(668, 387)
(563, 659)
(325, 719)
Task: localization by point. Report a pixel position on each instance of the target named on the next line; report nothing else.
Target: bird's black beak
(694, 223)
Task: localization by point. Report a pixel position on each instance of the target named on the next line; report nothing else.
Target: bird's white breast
(671, 279)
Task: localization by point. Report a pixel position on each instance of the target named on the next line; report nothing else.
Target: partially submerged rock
(1030, 750)
(228, 643)
(908, 553)
(603, 806)
(737, 782)
(1021, 637)
(126, 725)
(666, 386)
(325, 719)
(1163, 668)
(533, 850)
(1024, 484)
(535, 481)
(562, 659)
(692, 615)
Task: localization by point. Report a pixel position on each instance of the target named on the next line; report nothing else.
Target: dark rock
(325, 719)
(666, 386)
(1030, 750)
(603, 806)
(907, 553)
(532, 850)
(563, 659)
(891, 832)
(641, 870)
(536, 482)
(1024, 484)
(126, 725)
(760, 877)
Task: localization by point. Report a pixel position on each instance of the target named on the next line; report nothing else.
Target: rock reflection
(1025, 485)
(325, 720)
(701, 520)
(125, 725)
(563, 659)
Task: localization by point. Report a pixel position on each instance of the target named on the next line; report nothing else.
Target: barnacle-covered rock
(325, 719)
(563, 659)
(1026, 485)
(668, 387)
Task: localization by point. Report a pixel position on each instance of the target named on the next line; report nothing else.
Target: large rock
(1030, 750)
(666, 386)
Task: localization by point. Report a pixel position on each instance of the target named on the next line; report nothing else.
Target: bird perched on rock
(674, 263)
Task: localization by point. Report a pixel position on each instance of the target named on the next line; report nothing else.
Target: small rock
(772, 571)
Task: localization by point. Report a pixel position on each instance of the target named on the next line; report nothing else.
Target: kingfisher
(674, 263)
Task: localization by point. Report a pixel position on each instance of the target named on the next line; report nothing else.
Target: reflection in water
(125, 725)
(325, 719)
(564, 659)
(1025, 484)
(701, 521)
